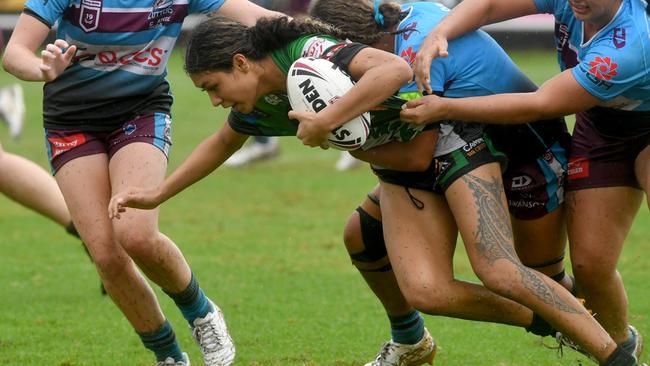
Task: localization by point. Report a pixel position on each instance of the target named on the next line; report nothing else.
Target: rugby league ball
(315, 83)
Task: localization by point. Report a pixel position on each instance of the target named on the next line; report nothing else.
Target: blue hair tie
(379, 17)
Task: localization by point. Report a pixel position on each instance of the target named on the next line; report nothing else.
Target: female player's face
(234, 89)
(600, 11)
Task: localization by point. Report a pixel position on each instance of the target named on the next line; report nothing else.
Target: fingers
(115, 207)
(69, 54)
(295, 114)
(414, 103)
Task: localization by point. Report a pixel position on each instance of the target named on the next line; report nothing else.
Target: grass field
(265, 243)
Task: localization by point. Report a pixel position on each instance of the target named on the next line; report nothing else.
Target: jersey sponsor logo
(148, 59)
(161, 13)
(578, 168)
(89, 14)
(408, 55)
(408, 30)
(619, 37)
(59, 145)
(316, 47)
(603, 68)
(521, 181)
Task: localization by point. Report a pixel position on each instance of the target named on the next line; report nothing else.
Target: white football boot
(171, 362)
(12, 109)
(253, 152)
(397, 354)
(211, 334)
(347, 162)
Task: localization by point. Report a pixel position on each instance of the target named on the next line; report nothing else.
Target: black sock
(620, 357)
(540, 327)
(72, 230)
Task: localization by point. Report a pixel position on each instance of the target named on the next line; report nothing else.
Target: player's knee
(364, 239)
(428, 301)
(108, 263)
(352, 237)
(139, 244)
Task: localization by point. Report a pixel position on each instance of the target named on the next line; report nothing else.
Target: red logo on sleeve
(408, 55)
(603, 68)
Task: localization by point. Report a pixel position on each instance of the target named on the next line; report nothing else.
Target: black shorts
(446, 169)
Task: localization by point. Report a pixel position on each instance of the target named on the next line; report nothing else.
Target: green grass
(265, 243)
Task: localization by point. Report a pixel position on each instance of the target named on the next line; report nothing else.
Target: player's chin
(242, 108)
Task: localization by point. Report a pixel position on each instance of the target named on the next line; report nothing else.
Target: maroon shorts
(65, 145)
(535, 188)
(604, 146)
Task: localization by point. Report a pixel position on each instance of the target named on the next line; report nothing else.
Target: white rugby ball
(315, 83)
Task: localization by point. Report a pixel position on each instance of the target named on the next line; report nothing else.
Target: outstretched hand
(428, 109)
(55, 58)
(435, 45)
(134, 198)
(310, 131)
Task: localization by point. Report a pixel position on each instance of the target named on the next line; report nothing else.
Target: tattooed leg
(478, 203)
(420, 244)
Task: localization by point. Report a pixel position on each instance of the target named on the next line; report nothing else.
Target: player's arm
(20, 57)
(560, 96)
(245, 11)
(467, 16)
(203, 160)
(412, 156)
(380, 74)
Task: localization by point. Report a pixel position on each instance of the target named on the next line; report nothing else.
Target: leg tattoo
(494, 239)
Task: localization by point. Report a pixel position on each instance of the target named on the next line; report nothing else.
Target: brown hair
(356, 18)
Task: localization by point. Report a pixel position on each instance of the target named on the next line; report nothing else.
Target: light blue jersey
(476, 65)
(614, 65)
(120, 66)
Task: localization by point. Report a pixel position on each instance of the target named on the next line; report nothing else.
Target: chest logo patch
(89, 14)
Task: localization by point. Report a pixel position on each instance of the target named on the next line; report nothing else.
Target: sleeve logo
(409, 55)
(603, 68)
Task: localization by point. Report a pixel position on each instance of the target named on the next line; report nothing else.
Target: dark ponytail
(356, 18)
(214, 42)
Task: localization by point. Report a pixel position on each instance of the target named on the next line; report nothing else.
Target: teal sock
(192, 301)
(407, 329)
(162, 342)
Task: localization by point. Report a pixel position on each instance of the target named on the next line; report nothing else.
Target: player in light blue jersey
(604, 53)
(106, 112)
(478, 67)
(245, 68)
